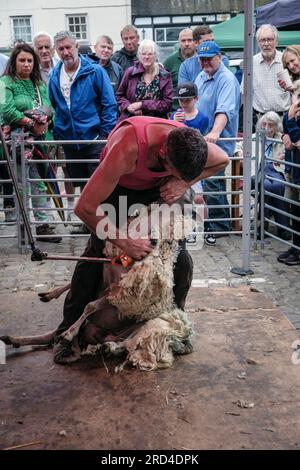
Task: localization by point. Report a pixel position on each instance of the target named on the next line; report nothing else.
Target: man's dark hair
(187, 152)
(11, 68)
(200, 31)
(85, 49)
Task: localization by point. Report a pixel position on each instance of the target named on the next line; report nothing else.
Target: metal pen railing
(233, 186)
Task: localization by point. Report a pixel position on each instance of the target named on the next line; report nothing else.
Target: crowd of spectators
(90, 92)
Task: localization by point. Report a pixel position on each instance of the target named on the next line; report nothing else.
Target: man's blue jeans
(211, 185)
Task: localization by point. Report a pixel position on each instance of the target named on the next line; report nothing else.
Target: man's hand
(173, 189)
(212, 136)
(137, 249)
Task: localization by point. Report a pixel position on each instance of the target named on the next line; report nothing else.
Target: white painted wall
(104, 16)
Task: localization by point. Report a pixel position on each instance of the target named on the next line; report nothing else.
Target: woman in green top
(25, 90)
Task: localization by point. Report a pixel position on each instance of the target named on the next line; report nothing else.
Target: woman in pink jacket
(146, 88)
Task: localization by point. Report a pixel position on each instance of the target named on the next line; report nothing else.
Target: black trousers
(8, 188)
(82, 170)
(87, 277)
(295, 210)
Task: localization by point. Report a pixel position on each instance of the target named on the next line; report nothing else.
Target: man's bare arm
(120, 160)
(219, 124)
(174, 188)
(217, 160)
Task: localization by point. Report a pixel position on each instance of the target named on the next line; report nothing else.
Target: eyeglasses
(266, 40)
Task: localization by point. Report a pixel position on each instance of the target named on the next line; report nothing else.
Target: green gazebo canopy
(230, 34)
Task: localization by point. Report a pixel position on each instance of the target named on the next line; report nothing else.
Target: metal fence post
(256, 208)
(247, 143)
(262, 187)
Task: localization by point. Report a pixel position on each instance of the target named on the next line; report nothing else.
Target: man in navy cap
(190, 67)
(219, 100)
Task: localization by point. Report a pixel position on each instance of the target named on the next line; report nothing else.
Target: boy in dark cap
(188, 114)
(187, 94)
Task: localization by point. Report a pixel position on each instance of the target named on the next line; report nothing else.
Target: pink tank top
(142, 177)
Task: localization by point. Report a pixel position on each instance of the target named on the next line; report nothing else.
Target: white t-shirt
(66, 80)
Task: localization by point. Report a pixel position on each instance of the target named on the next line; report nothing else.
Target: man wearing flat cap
(219, 99)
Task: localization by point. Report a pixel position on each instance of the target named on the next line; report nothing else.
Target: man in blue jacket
(84, 103)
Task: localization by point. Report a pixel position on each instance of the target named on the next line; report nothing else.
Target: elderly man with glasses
(267, 94)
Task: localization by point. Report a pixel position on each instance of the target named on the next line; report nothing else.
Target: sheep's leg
(91, 308)
(17, 341)
(53, 293)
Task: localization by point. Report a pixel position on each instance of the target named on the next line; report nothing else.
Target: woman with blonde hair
(291, 62)
(146, 88)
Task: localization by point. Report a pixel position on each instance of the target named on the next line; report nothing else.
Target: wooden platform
(238, 390)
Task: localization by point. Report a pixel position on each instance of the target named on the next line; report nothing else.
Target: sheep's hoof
(64, 353)
(9, 341)
(5, 339)
(44, 296)
(186, 347)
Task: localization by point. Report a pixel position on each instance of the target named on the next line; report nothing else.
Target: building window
(167, 34)
(142, 21)
(21, 28)
(161, 19)
(181, 19)
(77, 24)
(160, 35)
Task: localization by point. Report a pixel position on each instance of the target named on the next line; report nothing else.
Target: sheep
(135, 312)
